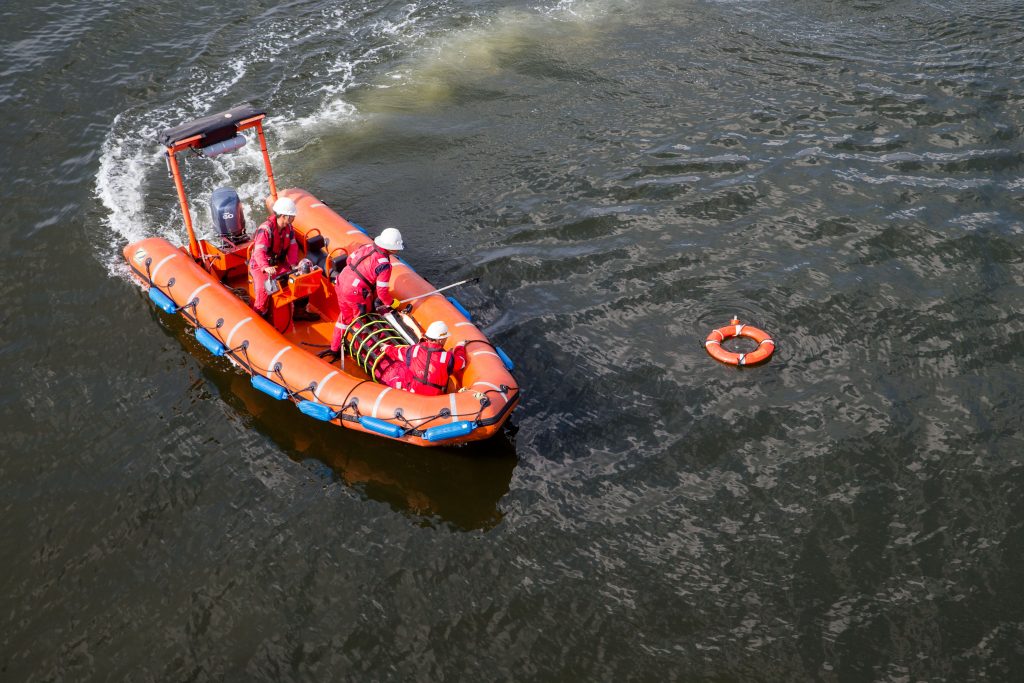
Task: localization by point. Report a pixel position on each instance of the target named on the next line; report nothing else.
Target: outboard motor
(226, 211)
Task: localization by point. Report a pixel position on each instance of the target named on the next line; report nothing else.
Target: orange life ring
(764, 350)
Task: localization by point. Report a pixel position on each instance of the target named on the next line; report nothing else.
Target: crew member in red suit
(366, 276)
(274, 251)
(423, 368)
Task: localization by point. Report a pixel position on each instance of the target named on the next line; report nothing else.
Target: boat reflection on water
(461, 487)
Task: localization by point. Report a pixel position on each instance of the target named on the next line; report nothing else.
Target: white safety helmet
(285, 207)
(389, 239)
(437, 331)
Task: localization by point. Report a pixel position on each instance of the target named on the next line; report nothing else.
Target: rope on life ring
(764, 350)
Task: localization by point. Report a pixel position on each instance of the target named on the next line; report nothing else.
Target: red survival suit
(367, 274)
(271, 246)
(423, 368)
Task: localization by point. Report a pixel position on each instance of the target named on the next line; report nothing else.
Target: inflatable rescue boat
(207, 284)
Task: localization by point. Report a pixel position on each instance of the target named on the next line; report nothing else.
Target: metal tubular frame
(195, 247)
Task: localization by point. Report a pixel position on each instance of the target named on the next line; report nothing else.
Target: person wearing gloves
(425, 367)
(366, 276)
(274, 251)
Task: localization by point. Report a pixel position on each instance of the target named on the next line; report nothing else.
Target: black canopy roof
(213, 128)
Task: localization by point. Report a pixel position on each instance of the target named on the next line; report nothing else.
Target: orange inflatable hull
(284, 363)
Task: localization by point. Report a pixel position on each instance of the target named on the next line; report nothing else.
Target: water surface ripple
(623, 176)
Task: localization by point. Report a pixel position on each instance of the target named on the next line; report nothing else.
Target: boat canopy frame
(205, 132)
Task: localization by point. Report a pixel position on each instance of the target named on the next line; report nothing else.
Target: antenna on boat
(438, 290)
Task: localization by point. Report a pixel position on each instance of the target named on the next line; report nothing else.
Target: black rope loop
(355, 401)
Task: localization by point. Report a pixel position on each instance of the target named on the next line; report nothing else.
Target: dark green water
(623, 176)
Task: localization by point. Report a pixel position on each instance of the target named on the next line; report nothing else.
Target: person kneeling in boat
(423, 368)
(365, 277)
(274, 252)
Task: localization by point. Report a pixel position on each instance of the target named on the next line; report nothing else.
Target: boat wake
(303, 69)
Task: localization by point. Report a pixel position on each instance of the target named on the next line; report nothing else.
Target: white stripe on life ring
(376, 404)
(355, 232)
(485, 353)
(318, 204)
(321, 383)
(463, 323)
(273, 361)
(452, 397)
(234, 329)
(152, 273)
(193, 295)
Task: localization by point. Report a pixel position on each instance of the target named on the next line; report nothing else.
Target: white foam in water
(131, 158)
